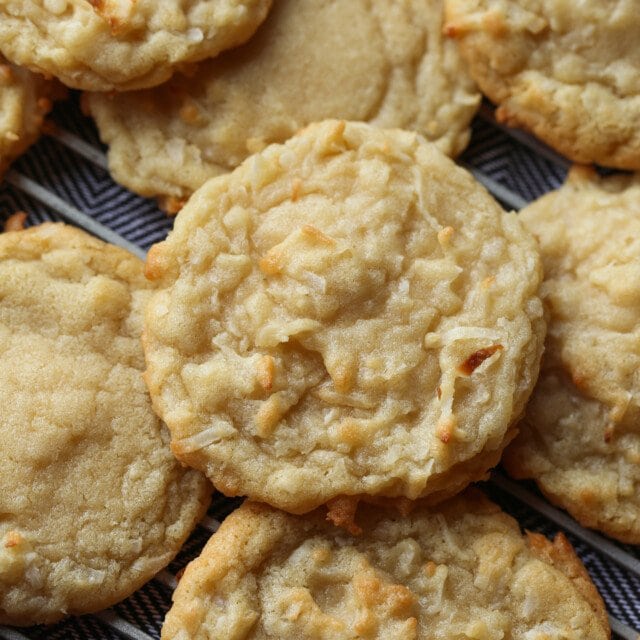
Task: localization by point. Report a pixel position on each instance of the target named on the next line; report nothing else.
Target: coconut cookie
(92, 502)
(383, 62)
(568, 72)
(462, 570)
(348, 313)
(25, 99)
(100, 45)
(580, 438)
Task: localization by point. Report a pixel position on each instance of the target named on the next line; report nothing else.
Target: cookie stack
(347, 318)
(343, 326)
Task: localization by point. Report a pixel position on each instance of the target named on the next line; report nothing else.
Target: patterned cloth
(523, 168)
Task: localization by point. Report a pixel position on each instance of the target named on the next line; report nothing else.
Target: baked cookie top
(462, 570)
(101, 45)
(580, 438)
(92, 502)
(382, 62)
(25, 99)
(347, 313)
(569, 72)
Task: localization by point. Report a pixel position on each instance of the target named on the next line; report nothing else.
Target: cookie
(382, 62)
(345, 314)
(25, 99)
(92, 503)
(580, 439)
(462, 570)
(102, 45)
(16, 221)
(569, 74)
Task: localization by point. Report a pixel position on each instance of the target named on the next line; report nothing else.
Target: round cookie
(382, 62)
(349, 313)
(568, 72)
(25, 99)
(92, 503)
(462, 570)
(580, 438)
(101, 45)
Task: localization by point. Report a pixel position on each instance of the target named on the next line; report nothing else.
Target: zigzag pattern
(72, 629)
(511, 163)
(145, 608)
(12, 200)
(90, 189)
(620, 592)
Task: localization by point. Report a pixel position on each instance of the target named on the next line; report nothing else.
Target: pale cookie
(567, 71)
(25, 99)
(349, 313)
(383, 62)
(462, 570)
(92, 503)
(580, 438)
(100, 45)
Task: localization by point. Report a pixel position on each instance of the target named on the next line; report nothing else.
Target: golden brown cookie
(100, 45)
(92, 503)
(382, 62)
(16, 221)
(568, 72)
(345, 314)
(462, 570)
(580, 438)
(25, 99)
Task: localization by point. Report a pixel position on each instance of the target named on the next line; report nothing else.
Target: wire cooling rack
(65, 177)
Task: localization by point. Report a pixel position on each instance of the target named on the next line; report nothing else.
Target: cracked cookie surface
(92, 502)
(461, 570)
(580, 438)
(568, 72)
(349, 313)
(104, 45)
(381, 62)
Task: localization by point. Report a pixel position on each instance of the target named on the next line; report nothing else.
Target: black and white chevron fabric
(64, 176)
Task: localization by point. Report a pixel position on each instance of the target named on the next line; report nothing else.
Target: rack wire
(485, 163)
